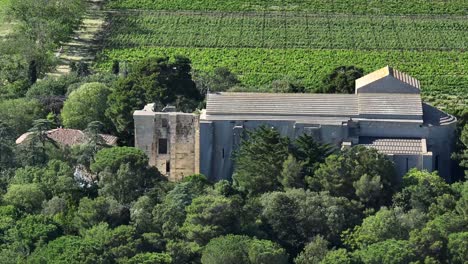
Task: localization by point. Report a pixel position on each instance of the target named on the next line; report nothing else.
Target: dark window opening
(223, 153)
(164, 122)
(436, 163)
(168, 166)
(162, 146)
(407, 165)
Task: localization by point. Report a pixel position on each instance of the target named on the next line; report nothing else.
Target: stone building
(386, 113)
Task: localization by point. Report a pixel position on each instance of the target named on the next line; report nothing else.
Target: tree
(210, 216)
(27, 197)
(154, 80)
(113, 158)
(357, 173)
(312, 214)
(462, 155)
(150, 258)
(125, 185)
(291, 175)
(86, 104)
(40, 26)
(67, 249)
(169, 216)
(54, 179)
(19, 114)
(35, 150)
(313, 252)
(420, 190)
(431, 241)
(124, 173)
(233, 249)
(310, 154)
(93, 211)
(338, 256)
(32, 231)
(259, 161)
(7, 158)
(387, 252)
(220, 80)
(385, 224)
(458, 248)
(141, 216)
(342, 80)
(85, 153)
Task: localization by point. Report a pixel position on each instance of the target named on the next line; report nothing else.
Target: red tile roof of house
(69, 137)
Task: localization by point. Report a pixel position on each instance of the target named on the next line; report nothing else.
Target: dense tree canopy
(154, 80)
(341, 80)
(85, 105)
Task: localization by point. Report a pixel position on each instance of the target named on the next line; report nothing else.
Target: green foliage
(7, 139)
(233, 249)
(91, 212)
(39, 28)
(153, 80)
(55, 179)
(170, 215)
(19, 114)
(259, 161)
(357, 173)
(220, 80)
(313, 252)
(431, 240)
(384, 225)
(51, 86)
(312, 214)
(458, 247)
(338, 256)
(291, 175)
(342, 80)
(113, 158)
(387, 252)
(420, 190)
(124, 173)
(32, 231)
(210, 216)
(150, 258)
(66, 250)
(86, 104)
(27, 197)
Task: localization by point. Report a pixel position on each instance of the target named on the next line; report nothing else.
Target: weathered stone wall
(179, 132)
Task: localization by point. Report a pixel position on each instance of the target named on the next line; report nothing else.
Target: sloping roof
(69, 137)
(394, 145)
(403, 105)
(282, 104)
(385, 72)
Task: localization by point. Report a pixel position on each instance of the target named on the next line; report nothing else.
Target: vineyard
(384, 7)
(285, 30)
(263, 41)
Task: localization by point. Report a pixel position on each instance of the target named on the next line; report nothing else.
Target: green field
(395, 7)
(304, 43)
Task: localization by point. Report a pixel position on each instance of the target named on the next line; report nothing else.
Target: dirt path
(83, 45)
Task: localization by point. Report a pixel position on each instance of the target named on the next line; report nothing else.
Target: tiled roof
(69, 137)
(394, 145)
(271, 104)
(402, 105)
(384, 72)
